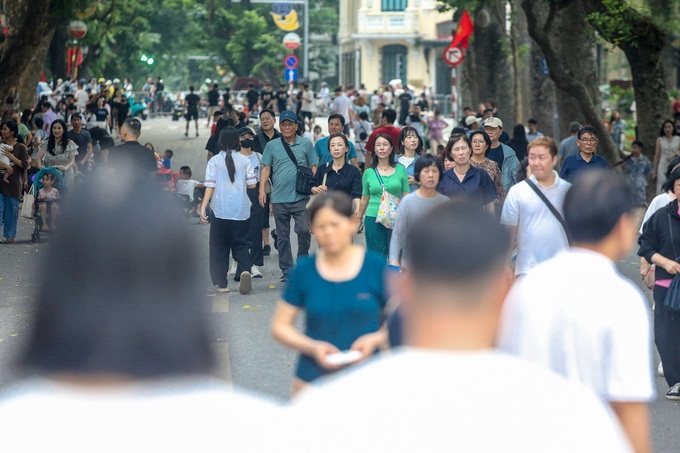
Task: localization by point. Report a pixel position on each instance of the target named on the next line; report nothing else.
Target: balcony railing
(387, 23)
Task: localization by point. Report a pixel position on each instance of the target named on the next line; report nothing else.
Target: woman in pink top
(436, 125)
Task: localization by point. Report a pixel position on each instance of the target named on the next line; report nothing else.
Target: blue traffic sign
(291, 75)
(290, 62)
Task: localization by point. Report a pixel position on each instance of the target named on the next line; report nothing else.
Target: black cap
(245, 130)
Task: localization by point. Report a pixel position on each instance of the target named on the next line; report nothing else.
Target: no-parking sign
(453, 55)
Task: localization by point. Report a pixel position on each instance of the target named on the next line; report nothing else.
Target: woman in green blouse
(383, 171)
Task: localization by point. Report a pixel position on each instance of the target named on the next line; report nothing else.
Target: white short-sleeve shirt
(576, 315)
(540, 236)
(186, 187)
(657, 203)
(417, 400)
(230, 200)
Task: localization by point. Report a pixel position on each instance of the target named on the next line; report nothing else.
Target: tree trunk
(57, 52)
(561, 30)
(31, 30)
(487, 73)
(642, 42)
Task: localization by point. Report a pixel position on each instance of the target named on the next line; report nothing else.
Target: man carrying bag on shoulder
(291, 162)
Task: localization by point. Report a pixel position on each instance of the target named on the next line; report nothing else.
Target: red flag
(463, 32)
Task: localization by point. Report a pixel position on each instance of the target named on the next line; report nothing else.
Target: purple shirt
(48, 117)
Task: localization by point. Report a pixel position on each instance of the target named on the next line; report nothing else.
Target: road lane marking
(220, 303)
(223, 370)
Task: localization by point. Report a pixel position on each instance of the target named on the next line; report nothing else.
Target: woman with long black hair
(227, 177)
(58, 151)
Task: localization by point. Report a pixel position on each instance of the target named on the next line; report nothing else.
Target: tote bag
(27, 207)
(387, 210)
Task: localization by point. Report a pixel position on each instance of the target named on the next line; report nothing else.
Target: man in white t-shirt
(449, 390)
(577, 315)
(307, 107)
(343, 105)
(539, 234)
(81, 97)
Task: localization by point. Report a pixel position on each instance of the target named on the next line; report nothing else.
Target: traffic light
(147, 60)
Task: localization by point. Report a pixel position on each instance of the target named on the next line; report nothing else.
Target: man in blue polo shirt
(585, 159)
(287, 202)
(336, 123)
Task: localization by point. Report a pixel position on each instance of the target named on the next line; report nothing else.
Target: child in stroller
(46, 206)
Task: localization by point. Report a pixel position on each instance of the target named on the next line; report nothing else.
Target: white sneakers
(255, 272)
(232, 268)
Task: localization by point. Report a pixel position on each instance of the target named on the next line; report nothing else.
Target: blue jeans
(10, 214)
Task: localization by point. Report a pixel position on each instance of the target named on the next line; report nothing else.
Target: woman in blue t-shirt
(341, 291)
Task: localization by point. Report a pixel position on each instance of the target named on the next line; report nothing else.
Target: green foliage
(611, 22)
(621, 99)
(235, 41)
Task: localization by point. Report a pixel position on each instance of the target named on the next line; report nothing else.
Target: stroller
(37, 215)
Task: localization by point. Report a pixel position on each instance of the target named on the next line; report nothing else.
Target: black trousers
(258, 215)
(667, 336)
(228, 236)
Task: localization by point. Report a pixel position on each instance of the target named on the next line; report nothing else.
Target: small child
(186, 186)
(167, 156)
(5, 160)
(318, 135)
(638, 168)
(48, 192)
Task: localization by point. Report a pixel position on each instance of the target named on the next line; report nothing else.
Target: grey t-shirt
(411, 209)
(283, 169)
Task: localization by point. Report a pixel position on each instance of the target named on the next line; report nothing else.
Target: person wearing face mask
(258, 213)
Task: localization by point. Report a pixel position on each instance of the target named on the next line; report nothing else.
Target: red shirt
(675, 105)
(392, 131)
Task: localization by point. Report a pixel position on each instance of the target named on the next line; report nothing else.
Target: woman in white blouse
(227, 177)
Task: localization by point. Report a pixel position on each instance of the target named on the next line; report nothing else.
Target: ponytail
(231, 168)
(229, 141)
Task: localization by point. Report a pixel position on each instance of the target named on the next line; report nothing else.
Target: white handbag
(27, 206)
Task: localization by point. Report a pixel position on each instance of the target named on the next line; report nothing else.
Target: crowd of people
(452, 299)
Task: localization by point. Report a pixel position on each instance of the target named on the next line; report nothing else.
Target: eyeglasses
(478, 142)
(588, 140)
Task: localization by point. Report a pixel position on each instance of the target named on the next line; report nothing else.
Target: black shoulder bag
(550, 206)
(303, 179)
(672, 300)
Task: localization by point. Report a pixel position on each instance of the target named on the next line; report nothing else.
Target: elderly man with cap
(287, 202)
(501, 153)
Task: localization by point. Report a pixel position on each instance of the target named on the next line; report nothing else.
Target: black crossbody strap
(670, 230)
(289, 151)
(261, 141)
(550, 206)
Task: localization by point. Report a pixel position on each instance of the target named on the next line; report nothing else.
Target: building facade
(383, 40)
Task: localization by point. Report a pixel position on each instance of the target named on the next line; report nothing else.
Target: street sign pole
(305, 3)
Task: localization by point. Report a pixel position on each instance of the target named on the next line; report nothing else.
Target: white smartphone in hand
(343, 358)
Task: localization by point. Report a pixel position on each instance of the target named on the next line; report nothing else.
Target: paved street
(249, 358)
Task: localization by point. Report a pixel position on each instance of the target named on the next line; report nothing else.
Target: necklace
(461, 174)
